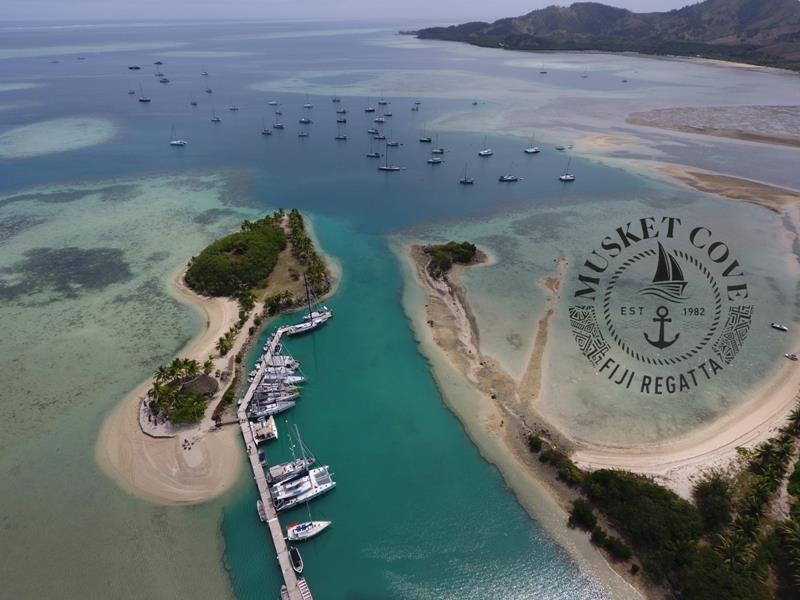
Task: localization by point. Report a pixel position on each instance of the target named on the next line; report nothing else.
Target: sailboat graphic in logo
(669, 282)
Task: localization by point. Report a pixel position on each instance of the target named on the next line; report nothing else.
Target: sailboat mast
(308, 295)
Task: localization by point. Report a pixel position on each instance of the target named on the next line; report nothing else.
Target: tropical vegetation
(442, 256)
(237, 263)
(180, 391)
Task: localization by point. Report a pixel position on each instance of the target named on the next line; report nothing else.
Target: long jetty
(296, 588)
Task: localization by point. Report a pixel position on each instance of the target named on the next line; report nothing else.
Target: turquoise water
(417, 513)
(89, 238)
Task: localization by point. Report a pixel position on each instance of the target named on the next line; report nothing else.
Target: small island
(268, 266)
(443, 256)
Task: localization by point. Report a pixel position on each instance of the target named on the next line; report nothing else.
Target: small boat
(341, 120)
(193, 102)
(134, 67)
(567, 177)
(303, 134)
(209, 91)
(393, 144)
(131, 92)
(369, 109)
(266, 131)
(508, 179)
(296, 559)
(379, 120)
(465, 180)
(204, 73)
(262, 514)
(791, 356)
(417, 103)
(624, 81)
(298, 532)
(233, 108)
(176, 141)
(425, 139)
(277, 126)
(779, 327)
(435, 160)
(373, 155)
(158, 62)
(389, 168)
(264, 429)
(415, 109)
(336, 100)
(561, 148)
(214, 117)
(474, 103)
(304, 120)
(532, 149)
(279, 113)
(437, 151)
(272, 103)
(387, 114)
(341, 111)
(163, 80)
(307, 105)
(372, 131)
(486, 150)
(382, 102)
(340, 138)
(379, 137)
(142, 97)
(317, 482)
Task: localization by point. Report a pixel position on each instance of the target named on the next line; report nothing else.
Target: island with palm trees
(166, 441)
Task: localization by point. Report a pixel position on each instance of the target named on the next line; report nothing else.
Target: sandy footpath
(161, 470)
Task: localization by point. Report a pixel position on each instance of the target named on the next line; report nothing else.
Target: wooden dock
(296, 588)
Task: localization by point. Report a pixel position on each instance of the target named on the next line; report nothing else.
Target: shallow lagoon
(98, 253)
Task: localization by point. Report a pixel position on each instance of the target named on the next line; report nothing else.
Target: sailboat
(233, 107)
(214, 117)
(341, 111)
(336, 100)
(314, 318)
(142, 97)
(369, 109)
(298, 532)
(340, 137)
(669, 283)
(176, 141)
(276, 123)
(131, 91)
(192, 101)
(272, 103)
(567, 177)
(438, 149)
(532, 149)
(508, 179)
(307, 105)
(382, 101)
(486, 150)
(264, 129)
(295, 467)
(386, 166)
(425, 138)
(435, 160)
(466, 180)
(372, 153)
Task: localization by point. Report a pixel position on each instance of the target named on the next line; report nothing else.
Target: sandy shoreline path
(159, 469)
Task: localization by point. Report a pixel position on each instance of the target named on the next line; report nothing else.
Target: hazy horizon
(444, 11)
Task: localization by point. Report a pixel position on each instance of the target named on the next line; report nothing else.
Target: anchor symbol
(661, 319)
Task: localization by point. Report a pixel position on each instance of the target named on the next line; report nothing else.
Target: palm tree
(208, 366)
(162, 373)
(735, 550)
(793, 426)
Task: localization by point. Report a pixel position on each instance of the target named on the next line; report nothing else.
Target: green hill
(765, 32)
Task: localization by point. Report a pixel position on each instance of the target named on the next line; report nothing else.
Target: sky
(402, 11)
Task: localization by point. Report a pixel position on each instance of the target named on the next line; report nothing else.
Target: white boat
(372, 131)
(288, 489)
(425, 138)
(262, 514)
(369, 109)
(298, 532)
(272, 103)
(305, 120)
(176, 141)
(131, 92)
(486, 150)
(379, 120)
(508, 179)
(435, 160)
(341, 111)
(323, 311)
(264, 129)
(270, 409)
(791, 356)
(532, 149)
(320, 481)
(289, 470)
(387, 167)
(264, 430)
(214, 117)
(779, 327)
(233, 107)
(567, 177)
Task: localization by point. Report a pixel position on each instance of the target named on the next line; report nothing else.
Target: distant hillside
(765, 32)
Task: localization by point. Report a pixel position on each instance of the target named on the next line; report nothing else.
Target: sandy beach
(161, 470)
(498, 410)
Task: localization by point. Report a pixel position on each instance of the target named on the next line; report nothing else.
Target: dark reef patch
(16, 224)
(213, 215)
(64, 272)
